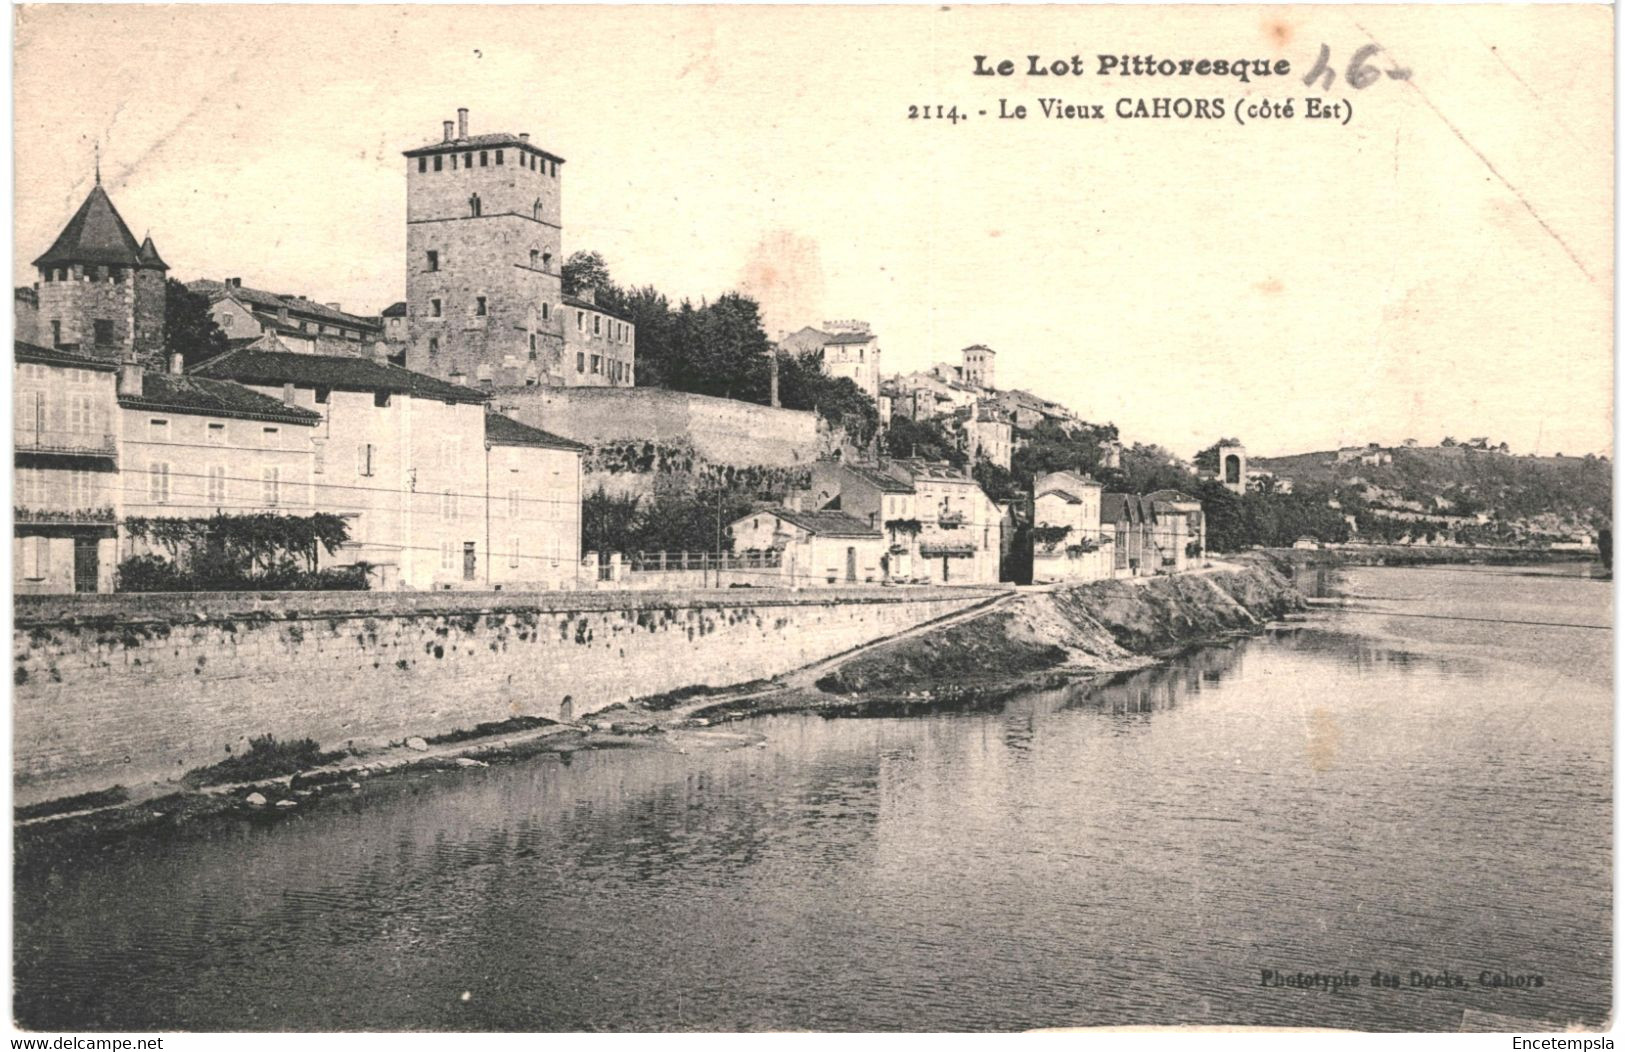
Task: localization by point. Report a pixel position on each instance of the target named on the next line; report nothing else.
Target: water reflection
(1122, 851)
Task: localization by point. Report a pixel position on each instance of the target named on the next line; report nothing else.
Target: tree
(1050, 447)
(997, 482)
(1208, 459)
(1147, 468)
(922, 438)
(189, 328)
(608, 521)
(585, 270)
(803, 384)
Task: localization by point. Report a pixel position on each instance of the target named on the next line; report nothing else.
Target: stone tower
(483, 295)
(1233, 466)
(976, 366)
(101, 291)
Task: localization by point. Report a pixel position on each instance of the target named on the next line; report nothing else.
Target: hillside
(1547, 494)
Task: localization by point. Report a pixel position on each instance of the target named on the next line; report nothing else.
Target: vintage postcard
(808, 518)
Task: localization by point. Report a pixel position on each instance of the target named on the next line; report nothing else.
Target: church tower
(976, 367)
(484, 303)
(100, 291)
(1233, 467)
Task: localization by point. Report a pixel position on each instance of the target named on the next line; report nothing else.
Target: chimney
(462, 123)
(234, 283)
(333, 306)
(448, 131)
(289, 396)
(524, 136)
(177, 363)
(129, 378)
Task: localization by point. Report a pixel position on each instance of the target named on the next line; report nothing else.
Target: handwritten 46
(1361, 74)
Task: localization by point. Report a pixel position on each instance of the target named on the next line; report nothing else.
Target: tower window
(555, 172)
(56, 334)
(434, 308)
(423, 164)
(434, 346)
(536, 210)
(544, 311)
(533, 347)
(437, 162)
(547, 260)
(535, 258)
(433, 259)
(474, 204)
(581, 362)
(499, 156)
(104, 333)
(479, 306)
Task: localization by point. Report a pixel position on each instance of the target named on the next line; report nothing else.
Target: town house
(192, 447)
(817, 548)
(1179, 531)
(414, 464)
(881, 501)
(960, 528)
(1068, 542)
(64, 433)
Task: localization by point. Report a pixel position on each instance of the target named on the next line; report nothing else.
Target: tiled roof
(149, 255)
(826, 523)
(1063, 494)
(482, 142)
(95, 234)
(935, 470)
(850, 337)
(274, 302)
(505, 431)
(1172, 496)
(879, 479)
(1070, 478)
(194, 394)
(572, 301)
(29, 352)
(332, 370)
(1124, 507)
(395, 310)
(981, 347)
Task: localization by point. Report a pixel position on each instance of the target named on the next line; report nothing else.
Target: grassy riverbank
(1024, 640)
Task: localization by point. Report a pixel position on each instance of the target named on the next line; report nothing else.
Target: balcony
(102, 516)
(97, 444)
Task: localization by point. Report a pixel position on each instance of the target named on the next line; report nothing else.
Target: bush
(266, 758)
(151, 573)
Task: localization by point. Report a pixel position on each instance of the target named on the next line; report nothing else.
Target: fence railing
(666, 562)
(54, 440)
(64, 516)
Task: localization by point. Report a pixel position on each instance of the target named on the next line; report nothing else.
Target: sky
(1439, 265)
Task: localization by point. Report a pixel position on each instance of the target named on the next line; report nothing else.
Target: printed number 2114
(935, 113)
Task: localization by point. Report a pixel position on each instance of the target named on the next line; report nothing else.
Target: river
(1383, 787)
